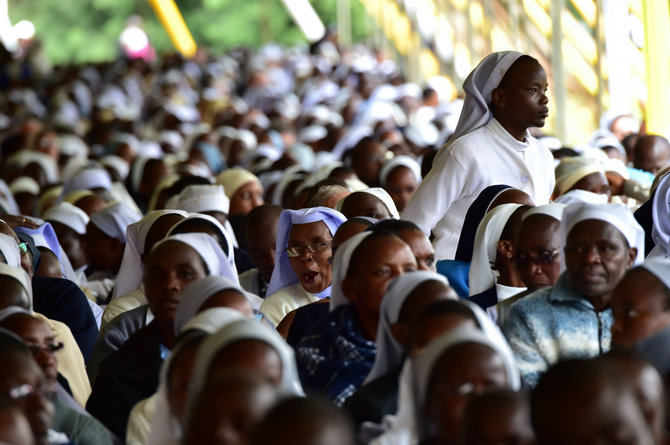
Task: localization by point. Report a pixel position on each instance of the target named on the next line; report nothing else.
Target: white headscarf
(11, 310)
(10, 250)
(195, 294)
(131, 272)
(618, 215)
(68, 215)
(117, 163)
(22, 277)
(571, 170)
(341, 268)
(660, 213)
(478, 87)
(87, 179)
(422, 367)
(383, 195)
(234, 178)
(114, 219)
(581, 196)
(237, 331)
(223, 233)
(208, 249)
(481, 275)
(398, 161)
(553, 210)
(390, 353)
(165, 429)
(46, 163)
(201, 198)
(283, 274)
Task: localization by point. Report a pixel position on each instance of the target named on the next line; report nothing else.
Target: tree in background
(76, 31)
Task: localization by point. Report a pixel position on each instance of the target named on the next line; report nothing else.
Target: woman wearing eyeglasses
(68, 417)
(303, 257)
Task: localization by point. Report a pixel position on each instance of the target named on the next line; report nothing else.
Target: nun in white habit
(286, 290)
(482, 152)
(9, 250)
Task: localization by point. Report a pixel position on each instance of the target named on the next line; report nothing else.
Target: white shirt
(276, 306)
(487, 156)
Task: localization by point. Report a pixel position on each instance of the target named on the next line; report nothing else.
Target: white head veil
(378, 193)
(481, 275)
(201, 198)
(232, 333)
(390, 353)
(478, 87)
(208, 249)
(618, 215)
(195, 294)
(223, 233)
(341, 267)
(571, 170)
(398, 161)
(10, 250)
(283, 274)
(114, 219)
(68, 215)
(131, 272)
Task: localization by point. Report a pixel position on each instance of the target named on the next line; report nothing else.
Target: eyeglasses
(319, 246)
(23, 247)
(50, 348)
(26, 390)
(545, 257)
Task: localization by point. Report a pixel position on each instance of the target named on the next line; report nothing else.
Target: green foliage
(87, 30)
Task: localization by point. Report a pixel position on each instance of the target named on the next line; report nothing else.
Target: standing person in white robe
(505, 95)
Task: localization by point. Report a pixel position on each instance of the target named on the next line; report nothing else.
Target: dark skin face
(596, 257)
(401, 185)
(19, 369)
(639, 308)
(104, 252)
(91, 204)
(169, 268)
(36, 333)
(228, 410)
(421, 248)
(154, 172)
(461, 373)
(364, 204)
(346, 231)
(424, 294)
(520, 101)
(313, 270)
(251, 355)
(539, 239)
(228, 298)
(607, 414)
(72, 243)
(378, 262)
(651, 154)
(507, 424)
(595, 183)
(368, 160)
(261, 241)
(49, 264)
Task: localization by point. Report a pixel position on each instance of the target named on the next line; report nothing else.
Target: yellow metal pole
(657, 54)
(169, 15)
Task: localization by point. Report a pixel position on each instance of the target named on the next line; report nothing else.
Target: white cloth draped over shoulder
(660, 213)
(479, 154)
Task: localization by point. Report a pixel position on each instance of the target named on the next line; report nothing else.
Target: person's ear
(632, 254)
(498, 98)
(506, 249)
(348, 289)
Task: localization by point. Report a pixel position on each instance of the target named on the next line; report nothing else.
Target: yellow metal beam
(169, 15)
(656, 18)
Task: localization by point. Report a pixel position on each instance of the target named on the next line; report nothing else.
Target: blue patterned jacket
(554, 324)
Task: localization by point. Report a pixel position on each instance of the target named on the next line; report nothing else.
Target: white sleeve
(437, 193)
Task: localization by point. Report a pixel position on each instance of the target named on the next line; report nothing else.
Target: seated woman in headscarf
(457, 270)
(105, 243)
(339, 351)
(245, 192)
(582, 173)
(69, 417)
(400, 177)
(245, 346)
(406, 296)
(173, 262)
(372, 203)
(505, 95)
(493, 273)
(451, 370)
(302, 272)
